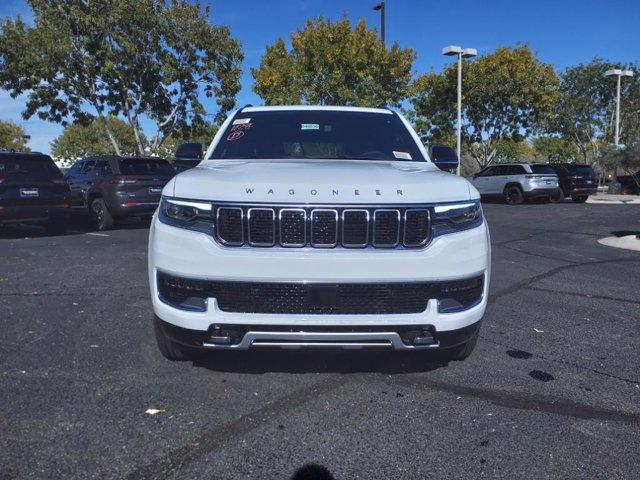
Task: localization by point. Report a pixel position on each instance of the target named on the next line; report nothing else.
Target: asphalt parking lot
(551, 391)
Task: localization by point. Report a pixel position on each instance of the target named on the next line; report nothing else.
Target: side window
(74, 170)
(500, 170)
(88, 167)
(102, 168)
(515, 170)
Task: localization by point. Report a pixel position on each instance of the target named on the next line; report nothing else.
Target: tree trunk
(109, 133)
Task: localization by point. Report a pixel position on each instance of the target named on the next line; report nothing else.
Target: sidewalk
(614, 199)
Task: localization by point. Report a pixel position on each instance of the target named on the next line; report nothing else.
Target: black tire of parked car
(100, 216)
(557, 196)
(579, 198)
(513, 195)
(170, 349)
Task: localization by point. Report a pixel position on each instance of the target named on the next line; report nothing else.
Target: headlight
(456, 217)
(186, 214)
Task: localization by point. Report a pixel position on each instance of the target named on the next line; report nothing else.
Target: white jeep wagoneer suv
(318, 227)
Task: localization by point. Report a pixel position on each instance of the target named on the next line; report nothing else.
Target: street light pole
(618, 74)
(466, 53)
(381, 7)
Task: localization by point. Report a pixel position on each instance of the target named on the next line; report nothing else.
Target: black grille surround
(320, 298)
(320, 226)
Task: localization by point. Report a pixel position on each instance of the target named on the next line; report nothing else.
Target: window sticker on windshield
(241, 121)
(402, 155)
(310, 126)
(237, 131)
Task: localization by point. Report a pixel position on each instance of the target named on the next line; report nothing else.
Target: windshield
(542, 169)
(33, 168)
(317, 134)
(145, 166)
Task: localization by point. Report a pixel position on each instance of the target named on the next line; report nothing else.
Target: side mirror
(190, 151)
(445, 158)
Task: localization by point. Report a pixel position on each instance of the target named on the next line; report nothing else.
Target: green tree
(132, 58)
(508, 95)
(582, 111)
(333, 63)
(78, 140)
(12, 137)
(556, 149)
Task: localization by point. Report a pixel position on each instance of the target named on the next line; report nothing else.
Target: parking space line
(98, 234)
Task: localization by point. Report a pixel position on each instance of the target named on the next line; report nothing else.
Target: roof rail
(246, 106)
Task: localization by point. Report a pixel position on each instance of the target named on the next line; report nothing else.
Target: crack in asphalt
(177, 458)
(544, 232)
(539, 255)
(585, 295)
(523, 401)
(527, 282)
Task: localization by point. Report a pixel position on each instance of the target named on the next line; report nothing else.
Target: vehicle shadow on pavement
(78, 225)
(321, 361)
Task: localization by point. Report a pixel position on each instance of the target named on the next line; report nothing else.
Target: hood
(320, 181)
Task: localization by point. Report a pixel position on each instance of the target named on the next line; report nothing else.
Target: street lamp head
(452, 50)
(627, 73)
(469, 52)
(615, 72)
(378, 6)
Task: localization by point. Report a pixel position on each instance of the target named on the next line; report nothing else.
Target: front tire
(513, 195)
(579, 198)
(170, 349)
(100, 216)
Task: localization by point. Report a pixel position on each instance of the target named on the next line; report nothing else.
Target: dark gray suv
(110, 187)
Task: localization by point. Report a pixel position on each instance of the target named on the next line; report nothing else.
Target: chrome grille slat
(229, 226)
(416, 230)
(386, 227)
(354, 234)
(293, 227)
(323, 227)
(261, 227)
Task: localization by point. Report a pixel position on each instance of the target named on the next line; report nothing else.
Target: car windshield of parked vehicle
(33, 168)
(317, 134)
(542, 169)
(145, 166)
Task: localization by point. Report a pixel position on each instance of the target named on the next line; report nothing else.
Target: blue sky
(561, 32)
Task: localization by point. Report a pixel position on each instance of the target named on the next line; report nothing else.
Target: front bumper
(197, 255)
(330, 337)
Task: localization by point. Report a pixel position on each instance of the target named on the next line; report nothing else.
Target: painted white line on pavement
(98, 234)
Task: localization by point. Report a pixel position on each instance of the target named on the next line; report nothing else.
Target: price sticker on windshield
(310, 126)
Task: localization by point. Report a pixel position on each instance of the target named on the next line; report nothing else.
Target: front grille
(349, 227)
(322, 298)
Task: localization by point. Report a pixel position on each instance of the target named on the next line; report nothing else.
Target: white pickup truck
(318, 227)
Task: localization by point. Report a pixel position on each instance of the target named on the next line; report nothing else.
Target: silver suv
(516, 182)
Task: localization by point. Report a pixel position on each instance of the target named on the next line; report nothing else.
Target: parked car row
(108, 187)
(34, 190)
(517, 182)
